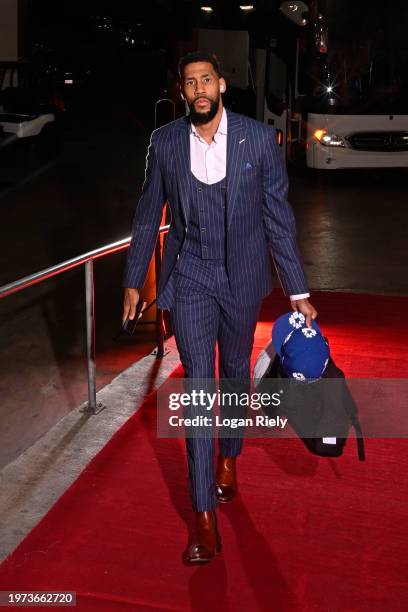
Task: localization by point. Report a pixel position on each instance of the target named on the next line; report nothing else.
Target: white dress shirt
(209, 161)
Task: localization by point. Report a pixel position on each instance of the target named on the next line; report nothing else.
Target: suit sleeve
(146, 222)
(279, 221)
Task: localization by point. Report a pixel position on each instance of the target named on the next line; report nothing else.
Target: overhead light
(207, 9)
(246, 7)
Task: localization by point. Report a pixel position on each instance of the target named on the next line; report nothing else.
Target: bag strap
(359, 438)
(354, 420)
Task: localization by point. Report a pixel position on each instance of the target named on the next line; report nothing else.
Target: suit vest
(205, 236)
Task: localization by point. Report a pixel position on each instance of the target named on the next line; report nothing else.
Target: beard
(200, 118)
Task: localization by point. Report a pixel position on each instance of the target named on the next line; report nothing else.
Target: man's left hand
(306, 308)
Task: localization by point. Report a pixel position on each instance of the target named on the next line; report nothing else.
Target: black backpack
(321, 413)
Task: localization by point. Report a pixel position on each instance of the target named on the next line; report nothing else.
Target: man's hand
(130, 301)
(306, 308)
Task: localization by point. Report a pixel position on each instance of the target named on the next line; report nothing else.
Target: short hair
(199, 56)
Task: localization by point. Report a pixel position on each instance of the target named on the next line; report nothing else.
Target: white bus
(336, 101)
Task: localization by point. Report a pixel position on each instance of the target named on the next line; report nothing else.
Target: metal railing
(87, 260)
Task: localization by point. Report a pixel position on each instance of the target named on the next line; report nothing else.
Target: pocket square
(248, 165)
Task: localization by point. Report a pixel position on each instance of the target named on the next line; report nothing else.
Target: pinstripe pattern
(259, 218)
(214, 294)
(206, 226)
(204, 312)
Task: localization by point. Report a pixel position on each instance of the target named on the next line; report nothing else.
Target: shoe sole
(202, 561)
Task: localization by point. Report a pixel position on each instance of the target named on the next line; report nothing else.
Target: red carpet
(306, 533)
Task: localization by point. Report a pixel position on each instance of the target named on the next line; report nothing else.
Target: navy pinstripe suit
(214, 293)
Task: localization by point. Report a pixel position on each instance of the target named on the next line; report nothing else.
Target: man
(226, 183)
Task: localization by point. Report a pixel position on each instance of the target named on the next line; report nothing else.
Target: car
(27, 111)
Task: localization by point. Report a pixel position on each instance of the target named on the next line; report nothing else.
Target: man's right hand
(130, 301)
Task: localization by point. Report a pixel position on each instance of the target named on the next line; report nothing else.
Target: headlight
(328, 139)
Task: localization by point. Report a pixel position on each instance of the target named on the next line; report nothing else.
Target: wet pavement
(352, 229)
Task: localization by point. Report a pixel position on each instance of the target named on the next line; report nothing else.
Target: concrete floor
(352, 235)
(33, 482)
(352, 228)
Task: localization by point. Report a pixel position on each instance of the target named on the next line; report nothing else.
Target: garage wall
(8, 30)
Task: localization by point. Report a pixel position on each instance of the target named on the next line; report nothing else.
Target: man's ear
(223, 86)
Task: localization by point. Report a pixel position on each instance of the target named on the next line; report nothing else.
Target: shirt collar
(222, 127)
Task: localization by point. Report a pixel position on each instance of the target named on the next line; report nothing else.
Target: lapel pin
(242, 140)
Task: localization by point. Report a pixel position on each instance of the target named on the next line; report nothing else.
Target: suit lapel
(236, 141)
(183, 165)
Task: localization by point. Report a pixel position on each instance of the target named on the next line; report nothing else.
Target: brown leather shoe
(206, 542)
(226, 479)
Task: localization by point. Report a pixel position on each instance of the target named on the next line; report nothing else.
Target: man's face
(201, 90)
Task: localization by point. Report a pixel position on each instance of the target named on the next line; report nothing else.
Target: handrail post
(87, 259)
(90, 334)
(160, 351)
(159, 313)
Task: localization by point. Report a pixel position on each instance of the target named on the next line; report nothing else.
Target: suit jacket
(259, 218)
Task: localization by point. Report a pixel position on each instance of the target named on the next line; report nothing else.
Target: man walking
(226, 183)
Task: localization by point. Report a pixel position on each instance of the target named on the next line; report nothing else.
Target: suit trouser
(204, 312)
